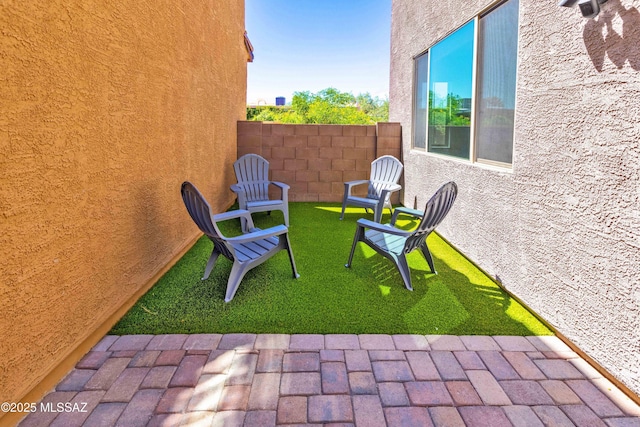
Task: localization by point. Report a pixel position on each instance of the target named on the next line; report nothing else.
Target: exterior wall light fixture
(588, 8)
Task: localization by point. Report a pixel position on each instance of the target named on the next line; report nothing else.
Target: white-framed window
(465, 86)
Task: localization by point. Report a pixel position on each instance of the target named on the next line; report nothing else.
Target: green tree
(376, 108)
(301, 101)
(291, 117)
(323, 112)
(335, 97)
(266, 115)
(328, 106)
(452, 114)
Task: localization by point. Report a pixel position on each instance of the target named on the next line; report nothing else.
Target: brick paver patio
(361, 380)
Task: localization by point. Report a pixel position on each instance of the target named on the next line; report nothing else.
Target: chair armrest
(349, 184)
(387, 191)
(357, 182)
(238, 213)
(407, 211)
(231, 215)
(413, 212)
(240, 194)
(384, 228)
(237, 188)
(284, 189)
(259, 234)
(280, 184)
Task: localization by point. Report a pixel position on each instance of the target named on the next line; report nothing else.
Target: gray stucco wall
(561, 230)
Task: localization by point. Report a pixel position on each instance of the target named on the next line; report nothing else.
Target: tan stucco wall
(562, 229)
(105, 108)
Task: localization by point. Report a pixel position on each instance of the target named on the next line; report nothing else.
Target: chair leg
(235, 277)
(344, 205)
(285, 213)
(243, 222)
(377, 213)
(243, 225)
(293, 262)
(427, 256)
(356, 238)
(210, 263)
(344, 200)
(403, 268)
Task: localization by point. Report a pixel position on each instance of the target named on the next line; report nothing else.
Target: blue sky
(302, 45)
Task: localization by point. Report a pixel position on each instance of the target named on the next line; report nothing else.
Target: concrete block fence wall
(316, 160)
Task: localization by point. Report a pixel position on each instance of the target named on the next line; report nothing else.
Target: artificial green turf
(328, 298)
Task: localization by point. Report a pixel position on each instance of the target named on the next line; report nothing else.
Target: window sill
(501, 168)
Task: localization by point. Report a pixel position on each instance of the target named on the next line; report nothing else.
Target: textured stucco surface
(561, 230)
(106, 107)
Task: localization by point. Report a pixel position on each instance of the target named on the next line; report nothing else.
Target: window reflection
(444, 85)
(451, 81)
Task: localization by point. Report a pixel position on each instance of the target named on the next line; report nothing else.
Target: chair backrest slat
(252, 173)
(385, 171)
(200, 212)
(435, 211)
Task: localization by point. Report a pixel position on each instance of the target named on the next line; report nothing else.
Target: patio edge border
(68, 362)
(602, 371)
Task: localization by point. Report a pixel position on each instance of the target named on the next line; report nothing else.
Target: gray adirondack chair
(394, 243)
(252, 189)
(383, 181)
(245, 251)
